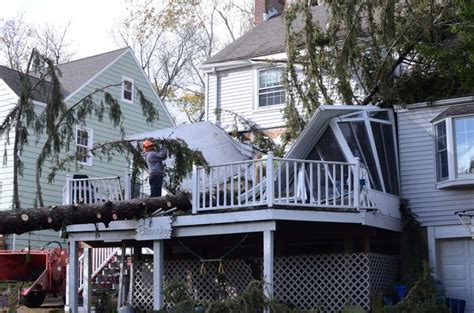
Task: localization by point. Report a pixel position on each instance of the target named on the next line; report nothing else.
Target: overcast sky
(91, 20)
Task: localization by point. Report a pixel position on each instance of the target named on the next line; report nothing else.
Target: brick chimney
(264, 6)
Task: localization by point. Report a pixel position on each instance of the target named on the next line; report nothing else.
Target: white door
(456, 264)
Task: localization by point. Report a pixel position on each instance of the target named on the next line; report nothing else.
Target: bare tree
(18, 38)
(52, 43)
(16, 42)
(171, 40)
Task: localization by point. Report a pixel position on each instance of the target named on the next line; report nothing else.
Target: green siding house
(121, 75)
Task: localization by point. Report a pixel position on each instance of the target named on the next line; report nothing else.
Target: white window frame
(124, 78)
(90, 142)
(257, 89)
(453, 179)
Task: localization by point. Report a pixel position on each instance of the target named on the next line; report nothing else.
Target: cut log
(58, 217)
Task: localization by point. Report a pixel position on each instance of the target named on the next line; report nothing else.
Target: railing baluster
(311, 183)
(350, 192)
(218, 198)
(342, 185)
(225, 185)
(232, 191)
(357, 184)
(262, 166)
(279, 179)
(295, 184)
(210, 187)
(204, 189)
(334, 185)
(256, 173)
(246, 184)
(326, 177)
(319, 182)
(287, 188)
(239, 188)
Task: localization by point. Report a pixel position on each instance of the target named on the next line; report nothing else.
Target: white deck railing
(100, 258)
(274, 181)
(95, 190)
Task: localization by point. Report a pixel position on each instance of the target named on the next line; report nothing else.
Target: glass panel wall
(357, 138)
(384, 143)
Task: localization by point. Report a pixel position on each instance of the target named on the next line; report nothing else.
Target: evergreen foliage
(377, 52)
(251, 300)
(53, 125)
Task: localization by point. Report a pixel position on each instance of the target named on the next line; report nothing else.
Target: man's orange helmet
(147, 144)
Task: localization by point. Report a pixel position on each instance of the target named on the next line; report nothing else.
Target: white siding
(236, 92)
(418, 171)
(8, 99)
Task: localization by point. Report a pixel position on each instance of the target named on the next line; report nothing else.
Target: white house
(436, 149)
(246, 77)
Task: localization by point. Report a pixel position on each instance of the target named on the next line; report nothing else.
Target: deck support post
(73, 278)
(158, 272)
(86, 280)
(121, 294)
(268, 258)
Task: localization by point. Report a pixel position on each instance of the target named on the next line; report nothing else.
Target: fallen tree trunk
(58, 217)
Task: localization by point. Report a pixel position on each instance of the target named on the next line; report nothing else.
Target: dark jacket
(154, 161)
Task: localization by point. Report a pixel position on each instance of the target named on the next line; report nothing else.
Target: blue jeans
(156, 182)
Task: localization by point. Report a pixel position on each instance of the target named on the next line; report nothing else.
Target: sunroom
(319, 226)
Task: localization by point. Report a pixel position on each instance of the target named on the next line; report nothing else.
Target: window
(83, 145)
(127, 89)
(454, 146)
(441, 151)
(464, 130)
(270, 87)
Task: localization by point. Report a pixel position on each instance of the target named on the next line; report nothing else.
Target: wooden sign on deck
(156, 228)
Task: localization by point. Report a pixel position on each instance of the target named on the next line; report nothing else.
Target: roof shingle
(266, 38)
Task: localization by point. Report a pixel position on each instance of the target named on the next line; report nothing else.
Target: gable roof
(455, 110)
(12, 78)
(75, 73)
(265, 39)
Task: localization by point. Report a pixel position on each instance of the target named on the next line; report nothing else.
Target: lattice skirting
(204, 281)
(326, 281)
(330, 281)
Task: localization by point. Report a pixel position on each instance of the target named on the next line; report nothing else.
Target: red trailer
(38, 272)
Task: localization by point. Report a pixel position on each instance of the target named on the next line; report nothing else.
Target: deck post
(158, 272)
(268, 256)
(86, 277)
(121, 295)
(269, 187)
(72, 278)
(357, 184)
(195, 190)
